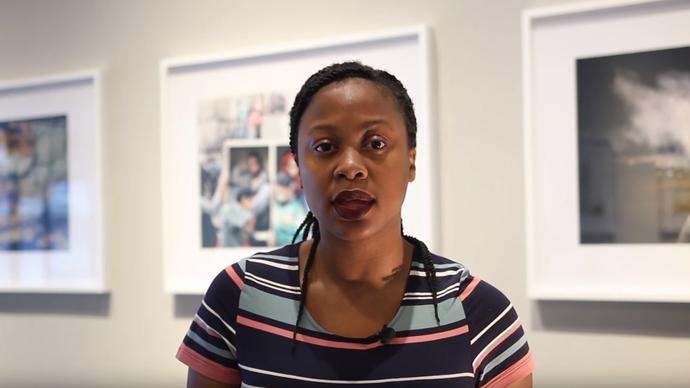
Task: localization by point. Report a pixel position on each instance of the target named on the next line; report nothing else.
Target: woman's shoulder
(473, 290)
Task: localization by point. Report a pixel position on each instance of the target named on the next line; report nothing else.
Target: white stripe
(438, 266)
(444, 273)
(274, 264)
(206, 327)
(429, 293)
(272, 287)
(286, 258)
(203, 302)
(491, 324)
(379, 381)
(259, 278)
(489, 347)
(431, 297)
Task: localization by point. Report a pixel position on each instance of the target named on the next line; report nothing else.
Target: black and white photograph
(34, 208)
(634, 147)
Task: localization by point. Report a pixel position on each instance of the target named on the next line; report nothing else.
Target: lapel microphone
(386, 334)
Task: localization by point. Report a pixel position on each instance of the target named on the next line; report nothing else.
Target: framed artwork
(607, 151)
(50, 185)
(231, 187)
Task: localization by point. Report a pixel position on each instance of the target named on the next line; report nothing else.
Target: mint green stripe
(417, 317)
(503, 356)
(243, 264)
(273, 307)
(211, 348)
(284, 310)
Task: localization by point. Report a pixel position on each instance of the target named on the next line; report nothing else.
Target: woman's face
(354, 159)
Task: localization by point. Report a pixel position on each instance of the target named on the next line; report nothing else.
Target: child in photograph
(290, 210)
(237, 220)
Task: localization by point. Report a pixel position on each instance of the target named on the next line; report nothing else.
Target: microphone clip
(387, 334)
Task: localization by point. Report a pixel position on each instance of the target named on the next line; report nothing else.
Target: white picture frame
(67, 256)
(185, 82)
(560, 267)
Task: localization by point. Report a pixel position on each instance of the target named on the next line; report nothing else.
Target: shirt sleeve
(209, 345)
(500, 353)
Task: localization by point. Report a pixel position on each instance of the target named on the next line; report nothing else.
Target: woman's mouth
(353, 204)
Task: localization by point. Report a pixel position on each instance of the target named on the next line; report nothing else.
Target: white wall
(129, 337)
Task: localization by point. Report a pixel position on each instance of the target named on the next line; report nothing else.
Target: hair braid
(304, 226)
(312, 223)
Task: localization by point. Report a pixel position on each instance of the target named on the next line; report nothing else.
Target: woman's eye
(323, 147)
(377, 144)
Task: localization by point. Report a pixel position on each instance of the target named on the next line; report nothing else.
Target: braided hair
(390, 84)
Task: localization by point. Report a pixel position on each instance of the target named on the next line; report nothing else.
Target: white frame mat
(79, 268)
(188, 267)
(559, 267)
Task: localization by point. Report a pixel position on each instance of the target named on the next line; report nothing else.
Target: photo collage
(250, 192)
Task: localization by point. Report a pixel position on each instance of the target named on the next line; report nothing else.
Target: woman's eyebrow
(330, 128)
(321, 128)
(373, 123)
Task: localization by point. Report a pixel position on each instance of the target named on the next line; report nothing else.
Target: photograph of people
(355, 301)
(34, 205)
(235, 134)
(237, 212)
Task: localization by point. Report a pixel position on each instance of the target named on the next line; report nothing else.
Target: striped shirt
(242, 333)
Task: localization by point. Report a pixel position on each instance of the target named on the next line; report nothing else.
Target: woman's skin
(352, 136)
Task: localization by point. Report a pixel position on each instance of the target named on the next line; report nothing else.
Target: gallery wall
(129, 336)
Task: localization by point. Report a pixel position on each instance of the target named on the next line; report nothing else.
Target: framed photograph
(50, 185)
(231, 187)
(607, 151)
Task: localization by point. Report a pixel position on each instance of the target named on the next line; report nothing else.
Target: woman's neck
(372, 262)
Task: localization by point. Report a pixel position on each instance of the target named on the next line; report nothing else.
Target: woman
(358, 304)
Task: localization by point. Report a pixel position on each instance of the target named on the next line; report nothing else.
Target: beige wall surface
(128, 338)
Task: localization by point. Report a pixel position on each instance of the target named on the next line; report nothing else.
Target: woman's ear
(412, 155)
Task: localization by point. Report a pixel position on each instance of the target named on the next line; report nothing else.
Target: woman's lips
(353, 204)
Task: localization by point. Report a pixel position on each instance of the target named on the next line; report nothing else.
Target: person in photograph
(289, 166)
(254, 119)
(289, 209)
(237, 220)
(356, 302)
(250, 173)
(209, 180)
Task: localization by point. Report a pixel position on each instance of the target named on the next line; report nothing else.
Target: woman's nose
(351, 166)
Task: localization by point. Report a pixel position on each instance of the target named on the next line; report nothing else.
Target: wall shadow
(71, 304)
(187, 305)
(634, 318)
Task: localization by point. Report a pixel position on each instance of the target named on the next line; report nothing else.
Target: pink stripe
(207, 367)
(502, 339)
(235, 278)
(347, 345)
(470, 287)
(304, 338)
(430, 337)
(515, 373)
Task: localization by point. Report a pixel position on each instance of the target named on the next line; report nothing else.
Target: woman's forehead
(353, 96)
